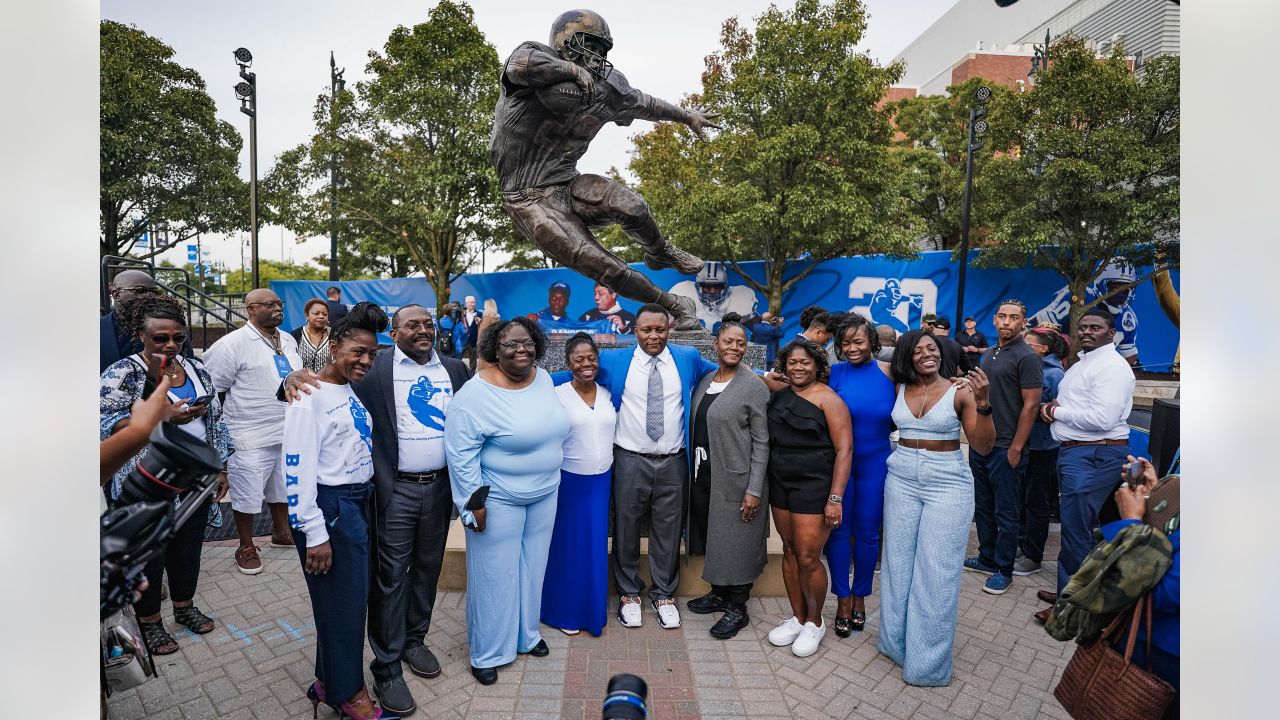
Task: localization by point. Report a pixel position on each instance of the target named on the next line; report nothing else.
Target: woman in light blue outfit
(928, 506)
(506, 433)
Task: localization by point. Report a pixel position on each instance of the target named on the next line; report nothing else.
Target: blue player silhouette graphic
(420, 395)
(361, 418)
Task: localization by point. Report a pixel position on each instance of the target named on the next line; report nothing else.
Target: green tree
(803, 170)
(934, 131)
(164, 156)
(411, 146)
(269, 270)
(1091, 172)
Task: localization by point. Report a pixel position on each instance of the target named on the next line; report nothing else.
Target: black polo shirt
(1010, 369)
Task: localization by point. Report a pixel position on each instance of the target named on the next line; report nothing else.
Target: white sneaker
(629, 615)
(668, 614)
(786, 633)
(807, 643)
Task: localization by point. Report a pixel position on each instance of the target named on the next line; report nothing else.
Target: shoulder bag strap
(1133, 630)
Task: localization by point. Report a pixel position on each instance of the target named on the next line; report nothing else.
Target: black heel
(859, 620)
(844, 626)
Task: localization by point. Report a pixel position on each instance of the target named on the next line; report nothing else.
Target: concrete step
(1145, 392)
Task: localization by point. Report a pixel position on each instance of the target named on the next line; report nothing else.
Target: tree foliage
(164, 155)
(1091, 171)
(411, 145)
(934, 130)
(803, 170)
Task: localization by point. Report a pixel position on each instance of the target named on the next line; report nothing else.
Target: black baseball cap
(943, 322)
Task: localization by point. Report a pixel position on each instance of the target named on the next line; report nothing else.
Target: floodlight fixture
(244, 58)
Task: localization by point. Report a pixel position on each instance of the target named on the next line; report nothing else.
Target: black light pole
(247, 92)
(336, 86)
(977, 126)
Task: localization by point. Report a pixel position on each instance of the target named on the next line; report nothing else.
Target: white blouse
(588, 450)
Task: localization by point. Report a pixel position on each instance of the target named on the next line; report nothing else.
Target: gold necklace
(925, 401)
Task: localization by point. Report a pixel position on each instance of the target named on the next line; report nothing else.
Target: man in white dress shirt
(1090, 418)
(246, 366)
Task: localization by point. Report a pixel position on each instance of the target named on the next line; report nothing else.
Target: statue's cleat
(671, 256)
(685, 315)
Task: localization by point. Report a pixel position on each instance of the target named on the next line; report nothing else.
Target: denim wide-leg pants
(928, 505)
(505, 568)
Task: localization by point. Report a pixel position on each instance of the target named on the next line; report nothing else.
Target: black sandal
(859, 620)
(844, 626)
(194, 620)
(157, 638)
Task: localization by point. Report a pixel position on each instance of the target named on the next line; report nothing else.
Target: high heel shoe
(859, 620)
(315, 693)
(362, 707)
(843, 626)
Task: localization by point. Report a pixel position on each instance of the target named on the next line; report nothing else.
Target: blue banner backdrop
(893, 292)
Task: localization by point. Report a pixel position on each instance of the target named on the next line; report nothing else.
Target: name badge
(282, 365)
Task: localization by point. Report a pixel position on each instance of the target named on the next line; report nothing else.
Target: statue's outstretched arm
(649, 107)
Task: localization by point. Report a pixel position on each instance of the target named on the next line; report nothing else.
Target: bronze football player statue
(554, 100)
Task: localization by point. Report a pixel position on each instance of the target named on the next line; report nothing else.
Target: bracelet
(834, 499)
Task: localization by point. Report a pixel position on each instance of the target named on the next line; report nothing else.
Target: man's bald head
(888, 336)
(129, 284)
(264, 308)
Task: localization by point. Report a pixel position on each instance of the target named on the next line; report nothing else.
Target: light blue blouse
(511, 440)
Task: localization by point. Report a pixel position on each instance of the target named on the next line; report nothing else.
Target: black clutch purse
(477, 499)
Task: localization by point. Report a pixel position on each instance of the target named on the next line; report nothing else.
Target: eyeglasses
(526, 344)
(142, 290)
(414, 325)
(166, 339)
(271, 304)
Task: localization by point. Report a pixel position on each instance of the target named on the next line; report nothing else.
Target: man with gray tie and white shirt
(650, 387)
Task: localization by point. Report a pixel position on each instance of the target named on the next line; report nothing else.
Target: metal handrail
(205, 296)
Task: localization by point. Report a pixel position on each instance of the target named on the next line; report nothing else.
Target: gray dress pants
(653, 488)
(411, 535)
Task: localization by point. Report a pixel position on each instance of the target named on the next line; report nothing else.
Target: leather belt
(651, 456)
(934, 445)
(424, 478)
(1112, 441)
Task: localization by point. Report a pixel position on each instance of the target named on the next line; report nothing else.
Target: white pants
(255, 475)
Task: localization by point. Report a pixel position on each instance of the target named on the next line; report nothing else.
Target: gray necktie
(653, 410)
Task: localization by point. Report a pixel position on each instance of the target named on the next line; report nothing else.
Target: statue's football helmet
(583, 37)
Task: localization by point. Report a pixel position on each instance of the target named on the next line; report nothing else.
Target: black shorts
(801, 494)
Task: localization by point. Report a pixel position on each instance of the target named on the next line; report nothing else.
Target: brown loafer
(247, 560)
(1042, 617)
(1046, 596)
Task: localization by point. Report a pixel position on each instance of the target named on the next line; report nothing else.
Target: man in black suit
(407, 394)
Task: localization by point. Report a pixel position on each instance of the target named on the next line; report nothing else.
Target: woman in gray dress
(730, 444)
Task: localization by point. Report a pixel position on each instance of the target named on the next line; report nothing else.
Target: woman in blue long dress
(506, 432)
(575, 589)
(928, 507)
(864, 384)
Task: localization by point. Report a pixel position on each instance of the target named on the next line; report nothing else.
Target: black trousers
(733, 594)
(411, 535)
(1039, 490)
(181, 560)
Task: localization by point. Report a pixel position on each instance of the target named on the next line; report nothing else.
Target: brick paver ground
(259, 660)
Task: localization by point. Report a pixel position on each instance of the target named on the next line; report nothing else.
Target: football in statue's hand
(562, 98)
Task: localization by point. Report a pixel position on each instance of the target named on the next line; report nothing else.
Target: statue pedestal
(700, 339)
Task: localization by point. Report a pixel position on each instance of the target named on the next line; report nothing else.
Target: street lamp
(977, 126)
(336, 86)
(247, 93)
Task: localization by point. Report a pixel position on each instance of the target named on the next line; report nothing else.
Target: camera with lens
(626, 699)
(145, 516)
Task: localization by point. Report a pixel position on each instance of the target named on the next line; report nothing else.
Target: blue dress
(869, 394)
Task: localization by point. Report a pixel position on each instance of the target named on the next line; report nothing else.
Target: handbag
(1163, 504)
(125, 660)
(1101, 684)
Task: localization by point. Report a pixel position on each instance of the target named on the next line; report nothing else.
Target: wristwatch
(984, 409)
(834, 499)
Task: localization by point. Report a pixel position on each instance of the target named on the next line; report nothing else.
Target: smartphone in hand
(201, 401)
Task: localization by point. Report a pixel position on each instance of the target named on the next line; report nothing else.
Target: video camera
(145, 517)
(626, 698)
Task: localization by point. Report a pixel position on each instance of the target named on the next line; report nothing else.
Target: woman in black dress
(810, 451)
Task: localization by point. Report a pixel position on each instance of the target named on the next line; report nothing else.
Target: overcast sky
(659, 44)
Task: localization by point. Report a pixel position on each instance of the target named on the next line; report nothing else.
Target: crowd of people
(849, 440)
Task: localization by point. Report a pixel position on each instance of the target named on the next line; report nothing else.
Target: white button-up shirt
(1095, 398)
(422, 396)
(631, 433)
(588, 450)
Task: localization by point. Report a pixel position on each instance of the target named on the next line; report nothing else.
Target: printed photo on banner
(554, 318)
(715, 297)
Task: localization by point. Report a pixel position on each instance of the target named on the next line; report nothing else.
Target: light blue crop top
(940, 423)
